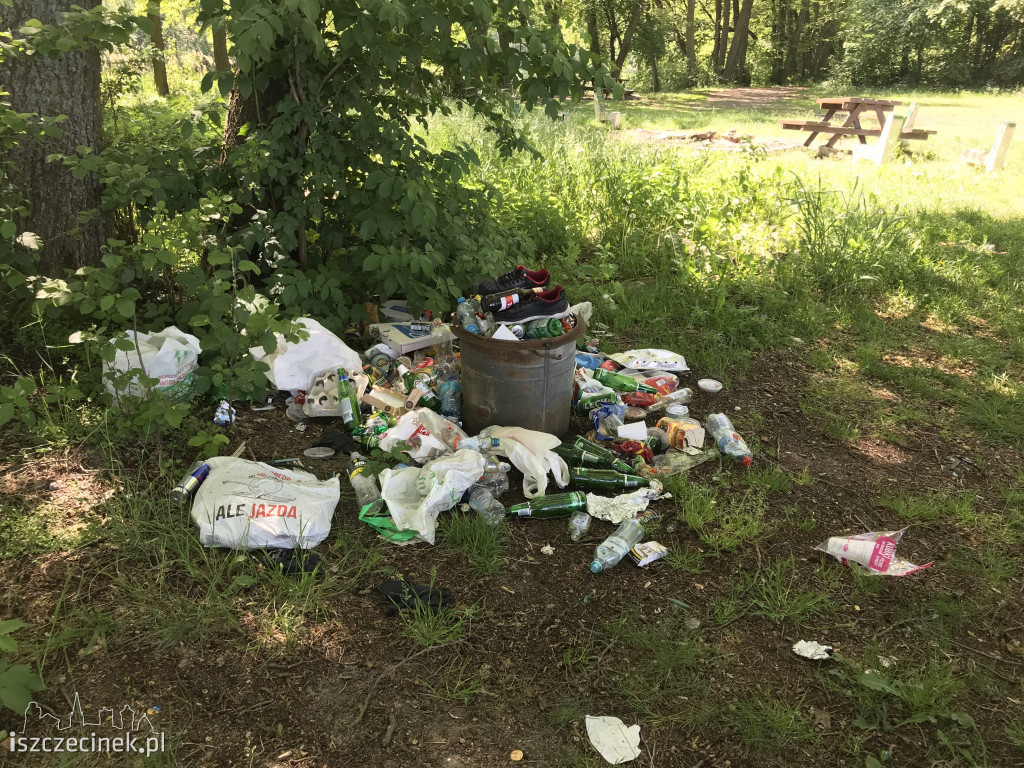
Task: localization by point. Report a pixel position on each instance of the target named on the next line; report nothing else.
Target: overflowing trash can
(523, 383)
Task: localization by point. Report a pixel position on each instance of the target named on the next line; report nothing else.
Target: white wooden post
(880, 152)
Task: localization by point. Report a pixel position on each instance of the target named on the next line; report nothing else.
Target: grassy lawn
(868, 325)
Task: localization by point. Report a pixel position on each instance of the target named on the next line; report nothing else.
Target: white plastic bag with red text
(249, 505)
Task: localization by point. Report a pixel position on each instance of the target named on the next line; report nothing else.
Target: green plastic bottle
(608, 459)
(555, 505)
(622, 383)
(543, 328)
(604, 479)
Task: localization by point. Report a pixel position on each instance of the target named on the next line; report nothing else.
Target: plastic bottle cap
(595, 567)
(746, 461)
(710, 385)
(462, 300)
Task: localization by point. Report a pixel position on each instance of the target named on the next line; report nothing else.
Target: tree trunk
(592, 31)
(221, 62)
(655, 80)
(69, 85)
(627, 38)
(159, 65)
(718, 35)
(691, 50)
(720, 62)
(738, 51)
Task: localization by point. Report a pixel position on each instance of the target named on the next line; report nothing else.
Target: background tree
(63, 207)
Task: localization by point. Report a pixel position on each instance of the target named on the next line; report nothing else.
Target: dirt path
(754, 98)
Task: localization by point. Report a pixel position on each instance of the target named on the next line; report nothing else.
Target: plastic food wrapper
(626, 505)
(651, 359)
(292, 366)
(428, 434)
(606, 419)
(248, 505)
(417, 495)
(169, 356)
(613, 740)
(875, 551)
(530, 452)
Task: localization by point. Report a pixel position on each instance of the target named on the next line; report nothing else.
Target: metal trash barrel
(524, 383)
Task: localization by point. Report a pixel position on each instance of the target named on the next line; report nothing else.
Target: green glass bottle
(555, 505)
(608, 459)
(421, 393)
(543, 328)
(622, 383)
(349, 402)
(604, 479)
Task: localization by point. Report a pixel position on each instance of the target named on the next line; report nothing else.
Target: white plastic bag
(416, 495)
(429, 434)
(292, 366)
(169, 356)
(248, 505)
(530, 452)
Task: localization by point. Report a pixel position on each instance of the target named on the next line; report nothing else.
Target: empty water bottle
(579, 524)
(450, 393)
(482, 501)
(610, 551)
(365, 485)
(495, 477)
(728, 439)
(466, 314)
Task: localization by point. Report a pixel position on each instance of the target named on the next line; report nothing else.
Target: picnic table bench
(855, 108)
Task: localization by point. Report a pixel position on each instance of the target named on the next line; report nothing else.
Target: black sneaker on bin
(520, 277)
(543, 305)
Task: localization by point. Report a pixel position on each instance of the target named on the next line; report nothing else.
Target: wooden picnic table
(855, 108)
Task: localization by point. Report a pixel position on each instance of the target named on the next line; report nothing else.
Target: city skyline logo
(137, 732)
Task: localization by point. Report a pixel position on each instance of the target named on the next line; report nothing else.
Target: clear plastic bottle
(683, 395)
(365, 485)
(450, 393)
(466, 315)
(610, 551)
(479, 444)
(495, 477)
(728, 439)
(482, 501)
(579, 524)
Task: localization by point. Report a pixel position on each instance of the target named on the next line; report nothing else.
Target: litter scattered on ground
(613, 740)
(709, 385)
(319, 452)
(812, 650)
(547, 549)
(224, 415)
(875, 551)
(516, 755)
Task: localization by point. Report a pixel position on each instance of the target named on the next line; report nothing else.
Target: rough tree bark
(65, 85)
(691, 51)
(738, 52)
(159, 65)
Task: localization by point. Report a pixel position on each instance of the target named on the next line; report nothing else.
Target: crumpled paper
(610, 736)
(625, 506)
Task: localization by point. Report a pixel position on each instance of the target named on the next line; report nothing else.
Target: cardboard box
(405, 337)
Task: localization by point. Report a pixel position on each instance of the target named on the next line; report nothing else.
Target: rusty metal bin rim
(524, 345)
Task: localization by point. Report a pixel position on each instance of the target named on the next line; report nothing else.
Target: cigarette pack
(647, 552)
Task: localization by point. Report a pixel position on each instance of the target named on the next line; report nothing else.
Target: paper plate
(318, 453)
(710, 385)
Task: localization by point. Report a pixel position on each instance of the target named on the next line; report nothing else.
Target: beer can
(183, 491)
